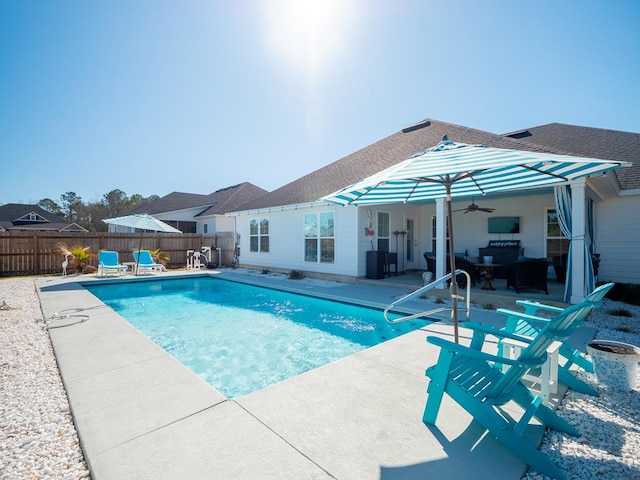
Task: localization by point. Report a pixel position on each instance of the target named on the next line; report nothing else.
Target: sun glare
(308, 35)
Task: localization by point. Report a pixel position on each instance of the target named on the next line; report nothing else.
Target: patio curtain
(563, 208)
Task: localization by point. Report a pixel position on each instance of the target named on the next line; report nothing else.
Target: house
(194, 213)
(20, 217)
(290, 228)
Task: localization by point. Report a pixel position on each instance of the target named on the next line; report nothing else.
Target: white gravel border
(38, 439)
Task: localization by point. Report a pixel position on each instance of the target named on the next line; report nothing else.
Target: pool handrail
(428, 287)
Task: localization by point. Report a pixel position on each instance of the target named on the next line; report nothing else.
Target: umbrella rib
(477, 185)
(463, 175)
(551, 174)
(411, 192)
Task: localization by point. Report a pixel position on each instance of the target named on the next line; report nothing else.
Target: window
(557, 243)
(259, 235)
(410, 235)
(433, 234)
(206, 228)
(383, 231)
(319, 240)
(32, 217)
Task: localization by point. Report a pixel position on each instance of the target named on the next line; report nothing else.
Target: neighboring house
(16, 216)
(194, 213)
(290, 229)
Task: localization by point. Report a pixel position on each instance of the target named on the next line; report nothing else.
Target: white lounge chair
(145, 262)
(108, 263)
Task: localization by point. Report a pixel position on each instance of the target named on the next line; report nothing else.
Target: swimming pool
(241, 338)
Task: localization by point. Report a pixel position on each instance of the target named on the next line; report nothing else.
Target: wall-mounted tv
(504, 224)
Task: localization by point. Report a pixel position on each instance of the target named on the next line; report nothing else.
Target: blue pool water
(241, 338)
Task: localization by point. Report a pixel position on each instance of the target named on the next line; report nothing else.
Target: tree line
(90, 215)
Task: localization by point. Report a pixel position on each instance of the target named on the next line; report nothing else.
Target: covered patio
(501, 297)
(459, 170)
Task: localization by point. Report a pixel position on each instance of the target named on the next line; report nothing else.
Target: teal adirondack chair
(480, 384)
(529, 324)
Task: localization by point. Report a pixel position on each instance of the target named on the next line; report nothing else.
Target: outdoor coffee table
(488, 275)
(131, 266)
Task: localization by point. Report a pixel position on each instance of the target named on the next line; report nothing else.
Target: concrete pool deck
(141, 414)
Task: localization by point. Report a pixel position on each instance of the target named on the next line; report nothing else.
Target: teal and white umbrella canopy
(142, 221)
(452, 169)
(463, 170)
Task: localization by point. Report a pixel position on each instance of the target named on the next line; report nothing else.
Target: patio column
(578, 240)
(441, 241)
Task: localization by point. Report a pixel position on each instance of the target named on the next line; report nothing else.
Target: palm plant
(79, 254)
(160, 257)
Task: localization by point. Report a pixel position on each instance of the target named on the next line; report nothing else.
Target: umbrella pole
(139, 250)
(452, 260)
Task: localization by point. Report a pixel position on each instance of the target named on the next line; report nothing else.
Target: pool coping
(141, 414)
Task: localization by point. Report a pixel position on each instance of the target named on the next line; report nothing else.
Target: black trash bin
(375, 264)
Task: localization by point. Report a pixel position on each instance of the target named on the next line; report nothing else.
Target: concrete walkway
(141, 414)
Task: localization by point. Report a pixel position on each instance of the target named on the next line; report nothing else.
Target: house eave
(281, 208)
(629, 191)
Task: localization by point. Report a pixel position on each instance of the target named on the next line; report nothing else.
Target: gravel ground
(38, 439)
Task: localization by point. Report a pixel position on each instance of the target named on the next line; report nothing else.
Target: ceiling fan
(475, 208)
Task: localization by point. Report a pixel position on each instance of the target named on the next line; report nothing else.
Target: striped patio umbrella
(142, 221)
(460, 170)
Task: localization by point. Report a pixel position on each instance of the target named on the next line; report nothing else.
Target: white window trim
(260, 235)
(319, 237)
(378, 237)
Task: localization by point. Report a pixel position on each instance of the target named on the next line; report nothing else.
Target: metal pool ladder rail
(426, 288)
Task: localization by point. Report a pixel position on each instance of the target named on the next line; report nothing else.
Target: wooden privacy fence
(35, 253)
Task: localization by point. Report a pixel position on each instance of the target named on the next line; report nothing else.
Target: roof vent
(417, 126)
(227, 188)
(522, 134)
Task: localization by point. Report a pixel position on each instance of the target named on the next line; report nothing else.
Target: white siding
(617, 239)
(397, 215)
(215, 224)
(471, 229)
(286, 241)
(618, 226)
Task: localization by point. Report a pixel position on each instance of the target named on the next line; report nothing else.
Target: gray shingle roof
(219, 202)
(552, 138)
(232, 198)
(172, 201)
(11, 212)
(378, 156)
(589, 142)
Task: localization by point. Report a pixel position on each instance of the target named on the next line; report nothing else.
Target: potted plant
(615, 363)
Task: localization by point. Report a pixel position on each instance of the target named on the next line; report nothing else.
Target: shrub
(625, 292)
(621, 312)
(296, 275)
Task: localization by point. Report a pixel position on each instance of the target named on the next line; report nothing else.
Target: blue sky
(155, 96)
